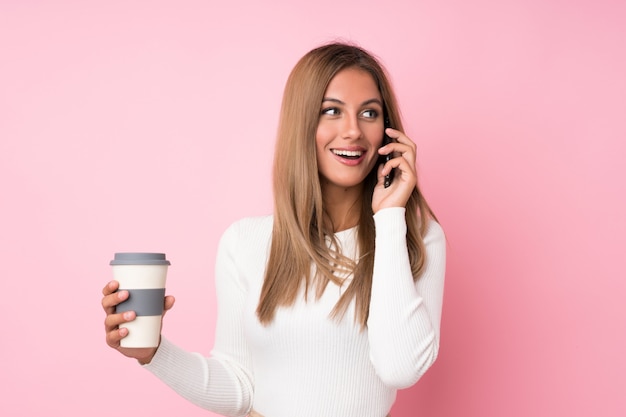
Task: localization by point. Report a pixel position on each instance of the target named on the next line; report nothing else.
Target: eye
(330, 111)
(370, 114)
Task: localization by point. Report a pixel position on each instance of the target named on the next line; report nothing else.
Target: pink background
(150, 126)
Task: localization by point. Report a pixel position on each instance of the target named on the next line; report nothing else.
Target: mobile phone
(388, 157)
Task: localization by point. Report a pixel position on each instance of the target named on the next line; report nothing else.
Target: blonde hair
(301, 229)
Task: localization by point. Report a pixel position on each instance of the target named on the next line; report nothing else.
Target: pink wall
(150, 126)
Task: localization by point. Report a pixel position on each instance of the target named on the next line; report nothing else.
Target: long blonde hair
(301, 229)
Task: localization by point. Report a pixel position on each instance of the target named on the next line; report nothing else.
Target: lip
(349, 161)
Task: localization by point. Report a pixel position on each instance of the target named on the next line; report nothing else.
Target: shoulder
(242, 252)
(434, 233)
(435, 242)
(246, 225)
(253, 230)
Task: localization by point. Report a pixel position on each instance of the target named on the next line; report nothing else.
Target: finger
(110, 288)
(401, 138)
(386, 168)
(394, 163)
(112, 330)
(110, 301)
(398, 135)
(402, 145)
(168, 303)
(113, 321)
(404, 171)
(114, 337)
(380, 175)
(404, 151)
(397, 148)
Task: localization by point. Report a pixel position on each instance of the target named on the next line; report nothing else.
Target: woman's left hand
(405, 174)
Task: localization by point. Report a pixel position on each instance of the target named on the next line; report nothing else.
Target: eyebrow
(365, 103)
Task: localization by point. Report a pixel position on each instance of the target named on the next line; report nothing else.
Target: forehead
(353, 83)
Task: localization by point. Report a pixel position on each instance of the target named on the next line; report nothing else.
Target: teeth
(347, 153)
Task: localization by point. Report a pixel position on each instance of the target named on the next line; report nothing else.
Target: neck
(342, 206)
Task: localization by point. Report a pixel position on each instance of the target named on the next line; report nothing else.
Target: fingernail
(128, 315)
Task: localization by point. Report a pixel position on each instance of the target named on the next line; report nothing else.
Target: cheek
(323, 135)
(375, 136)
(319, 143)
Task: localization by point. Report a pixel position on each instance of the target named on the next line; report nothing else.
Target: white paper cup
(143, 275)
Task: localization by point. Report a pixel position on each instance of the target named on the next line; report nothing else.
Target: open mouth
(348, 154)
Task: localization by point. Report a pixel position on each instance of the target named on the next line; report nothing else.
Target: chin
(345, 182)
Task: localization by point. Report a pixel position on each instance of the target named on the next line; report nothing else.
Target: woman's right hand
(114, 334)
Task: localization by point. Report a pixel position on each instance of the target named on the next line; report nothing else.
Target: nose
(350, 128)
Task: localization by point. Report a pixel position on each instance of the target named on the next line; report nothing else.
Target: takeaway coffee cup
(143, 276)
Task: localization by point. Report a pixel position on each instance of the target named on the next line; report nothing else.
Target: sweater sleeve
(404, 318)
(221, 383)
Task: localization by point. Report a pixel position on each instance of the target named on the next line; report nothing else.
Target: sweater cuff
(392, 220)
(170, 356)
(165, 350)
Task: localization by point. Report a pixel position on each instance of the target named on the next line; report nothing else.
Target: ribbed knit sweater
(306, 364)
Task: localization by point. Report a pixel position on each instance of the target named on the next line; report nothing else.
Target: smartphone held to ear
(389, 156)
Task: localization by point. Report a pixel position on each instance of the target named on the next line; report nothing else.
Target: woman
(332, 304)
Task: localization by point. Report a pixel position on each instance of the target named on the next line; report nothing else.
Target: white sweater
(305, 364)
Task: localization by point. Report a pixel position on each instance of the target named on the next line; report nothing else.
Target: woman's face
(350, 129)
